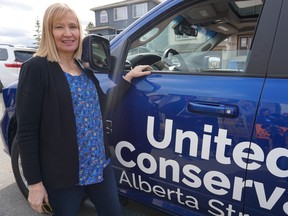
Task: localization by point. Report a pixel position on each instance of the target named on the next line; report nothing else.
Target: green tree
(37, 35)
(89, 26)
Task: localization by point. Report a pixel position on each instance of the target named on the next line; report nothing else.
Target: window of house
(139, 10)
(120, 13)
(103, 16)
(244, 44)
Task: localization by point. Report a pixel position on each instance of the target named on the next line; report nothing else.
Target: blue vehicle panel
(267, 176)
(162, 131)
(9, 99)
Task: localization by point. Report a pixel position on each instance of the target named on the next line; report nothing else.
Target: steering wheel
(167, 59)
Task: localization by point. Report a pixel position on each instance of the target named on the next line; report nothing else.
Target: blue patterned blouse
(92, 158)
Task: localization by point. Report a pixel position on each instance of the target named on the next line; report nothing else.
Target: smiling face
(66, 34)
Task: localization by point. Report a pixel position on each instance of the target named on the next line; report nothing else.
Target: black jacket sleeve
(28, 113)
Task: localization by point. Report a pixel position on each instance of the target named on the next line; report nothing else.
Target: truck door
(182, 136)
(266, 183)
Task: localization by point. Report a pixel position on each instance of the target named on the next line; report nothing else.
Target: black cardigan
(46, 132)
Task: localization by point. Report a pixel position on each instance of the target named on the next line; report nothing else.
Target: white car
(11, 59)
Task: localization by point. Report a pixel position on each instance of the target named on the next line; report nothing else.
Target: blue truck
(207, 132)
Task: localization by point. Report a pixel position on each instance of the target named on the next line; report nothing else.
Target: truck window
(214, 37)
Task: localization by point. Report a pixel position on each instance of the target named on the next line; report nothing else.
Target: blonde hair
(47, 47)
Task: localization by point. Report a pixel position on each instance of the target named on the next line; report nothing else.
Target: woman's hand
(37, 196)
(138, 71)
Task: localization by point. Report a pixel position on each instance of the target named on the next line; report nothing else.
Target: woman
(60, 115)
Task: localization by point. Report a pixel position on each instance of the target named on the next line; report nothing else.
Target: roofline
(122, 3)
(101, 28)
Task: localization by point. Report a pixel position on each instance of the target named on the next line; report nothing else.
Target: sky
(18, 17)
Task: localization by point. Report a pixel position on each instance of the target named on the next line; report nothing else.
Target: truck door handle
(213, 109)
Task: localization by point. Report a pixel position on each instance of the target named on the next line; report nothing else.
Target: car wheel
(18, 171)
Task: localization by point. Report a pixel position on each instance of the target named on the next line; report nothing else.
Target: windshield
(156, 40)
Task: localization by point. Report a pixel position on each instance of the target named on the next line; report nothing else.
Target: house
(111, 19)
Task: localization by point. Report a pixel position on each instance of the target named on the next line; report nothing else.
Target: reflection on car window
(206, 42)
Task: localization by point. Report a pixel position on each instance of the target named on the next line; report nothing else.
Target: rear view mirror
(96, 53)
(183, 27)
(188, 30)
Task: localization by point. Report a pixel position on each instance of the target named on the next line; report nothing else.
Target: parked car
(11, 59)
(199, 136)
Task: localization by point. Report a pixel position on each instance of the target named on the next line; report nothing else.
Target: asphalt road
(12, 202)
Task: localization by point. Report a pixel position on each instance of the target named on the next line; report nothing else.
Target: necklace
(72, 73)
(70, 69)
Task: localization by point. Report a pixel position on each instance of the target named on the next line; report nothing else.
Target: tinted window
(3, 54)
(21, 56)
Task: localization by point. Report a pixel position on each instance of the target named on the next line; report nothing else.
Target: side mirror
(96, 53)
